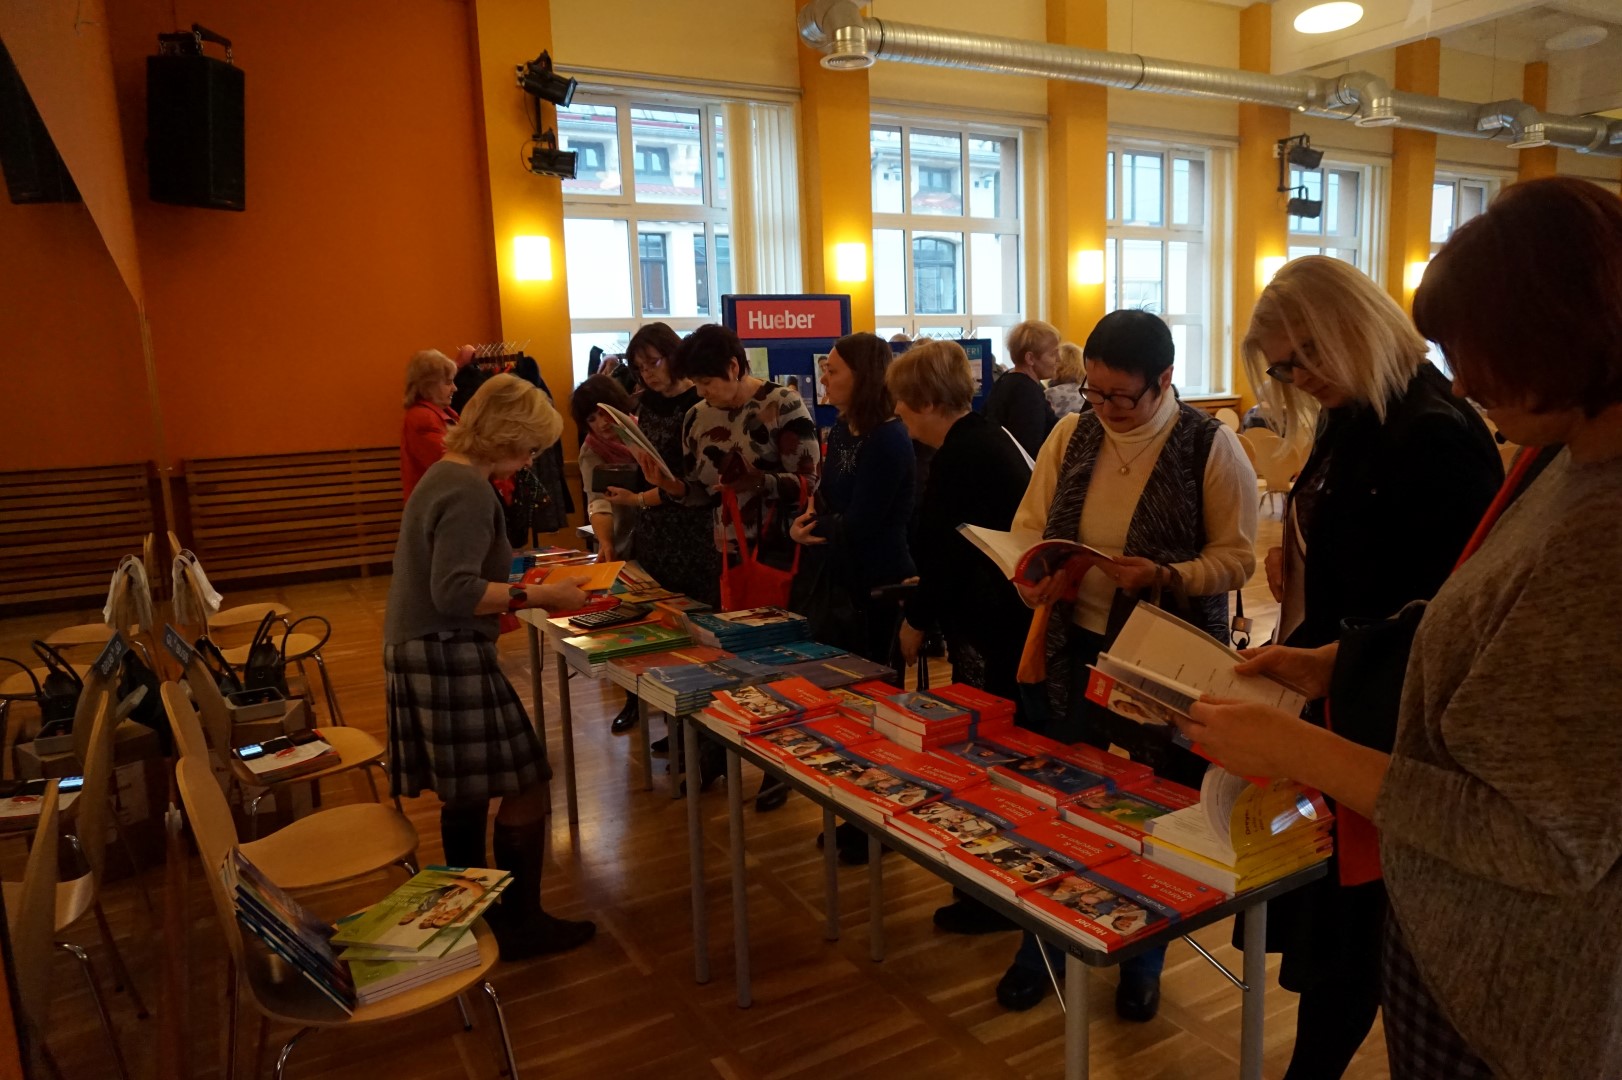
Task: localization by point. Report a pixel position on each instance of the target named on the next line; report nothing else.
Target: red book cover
(826, 767)
(1073, 847)
(988, 706)
(1099, 916)
(1048, 778)
(1121, 815)
(1156, 887)
(979, 811)
(840, 730)
(921, 712)
(787, 744)
(800, 694)
(1006, 865)
(692, 654)
(948, 773)
(1118, 770)
(875, 792)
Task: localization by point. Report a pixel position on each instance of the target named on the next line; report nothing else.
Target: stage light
(537, 77)
(547, 160)
(1305, 208)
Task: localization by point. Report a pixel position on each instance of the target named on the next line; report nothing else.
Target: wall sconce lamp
(1090, 267)
(532, 258)
(1271, 265)
(850, 262)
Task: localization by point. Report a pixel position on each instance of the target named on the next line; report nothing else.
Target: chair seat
(289, 998)
(298, 647)
(19, 686)
(94, 633)
(73, 899)
(334, 845)
(355, 748)
(245, 615)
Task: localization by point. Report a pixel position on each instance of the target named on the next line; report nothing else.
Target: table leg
(1252, 1014)
(830, 874)
(695, 840)
(567, 710)
(537, 692)
(643, 718)
(740, 883)
(673, 728)
(1075, 1019)
(875, 899)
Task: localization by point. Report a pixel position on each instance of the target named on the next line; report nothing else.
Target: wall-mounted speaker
(35, 172)
(195, 146)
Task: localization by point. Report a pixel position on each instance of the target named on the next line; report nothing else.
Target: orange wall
(70, 349)
(367, 237)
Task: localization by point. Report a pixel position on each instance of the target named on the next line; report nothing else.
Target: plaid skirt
(456, 726)
(1421, 1042)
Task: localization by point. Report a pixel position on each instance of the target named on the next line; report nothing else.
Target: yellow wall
(1078, 133)
(1413, 172)
(1260, 223)
(735, 41)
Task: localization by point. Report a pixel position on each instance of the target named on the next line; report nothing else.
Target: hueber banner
(779, 320)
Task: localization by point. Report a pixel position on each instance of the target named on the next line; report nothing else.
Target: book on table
(845, 670)
(1122, 815)
(627, 670)
(588, 577)
(988, 709)
(981, 810)
(1054, 773)
(287, 928)
(1025, 557)
(792, 652)
(923, 721)
(772, 704)
(892, 779)
(584, 651)
(1005, 864)
(1119, 902)
(437, 900)
(748, 628)
(285, 757)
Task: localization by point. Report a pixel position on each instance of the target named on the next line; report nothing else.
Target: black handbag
(137, 674)
(219, 669)
(58, 694)
(266, 666)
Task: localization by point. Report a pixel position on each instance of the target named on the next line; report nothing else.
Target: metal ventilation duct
(848, 41)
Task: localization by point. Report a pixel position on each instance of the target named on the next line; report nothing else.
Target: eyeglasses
(1096, 398)
(1284, 371)
(643, 363)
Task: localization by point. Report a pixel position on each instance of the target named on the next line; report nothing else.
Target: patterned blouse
(774, 433)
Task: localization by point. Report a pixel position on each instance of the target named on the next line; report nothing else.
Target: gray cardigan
(453, 543)
(1501, 815)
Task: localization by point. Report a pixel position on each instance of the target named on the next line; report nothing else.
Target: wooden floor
(626, 1004)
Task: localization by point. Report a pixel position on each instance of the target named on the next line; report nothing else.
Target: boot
(461, 831)
(522, 929)
(628, 716)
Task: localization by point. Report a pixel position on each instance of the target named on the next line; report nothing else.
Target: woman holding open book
(1497, 803)
(1164, 490)
(456, 726)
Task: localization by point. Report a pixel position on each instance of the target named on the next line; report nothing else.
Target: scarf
(612, 451)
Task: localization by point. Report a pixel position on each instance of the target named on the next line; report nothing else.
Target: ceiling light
(1327, 18)
(1578, 37)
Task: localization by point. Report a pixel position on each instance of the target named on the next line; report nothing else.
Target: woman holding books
(1499, 815)
(1400, 473)
(748, 443)
(456, 726)
(864, 505)
(1166, 491)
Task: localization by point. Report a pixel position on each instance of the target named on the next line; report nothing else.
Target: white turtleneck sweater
(1229, 555)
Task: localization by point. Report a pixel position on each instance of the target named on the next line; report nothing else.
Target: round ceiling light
(1578, 37)
(1327, 18)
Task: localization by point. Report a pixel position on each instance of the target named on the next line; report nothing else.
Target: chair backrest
(33, 920)
(1229, 418)
(184, 723)
(91, 700)
(1248, 447)
(1277, 462)
(211, 704)
(96, 797)
(212, 827)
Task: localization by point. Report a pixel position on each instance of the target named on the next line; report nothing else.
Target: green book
(440, 900)
(604, 645)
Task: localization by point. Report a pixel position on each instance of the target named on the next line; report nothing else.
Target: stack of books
(753, 709)
(842, 671)
(982, 810)
(419, 932)
(590, 653)
(288, 929)
(792, 652)
(751, 628)
(1118, 901)
(680, 689)
(1054, 773)
(627, 671)
(1043, 851)
(1123, 815)
(285, 757)
(818, 749)
(881, 779)
(924, 721)
(1242, 835)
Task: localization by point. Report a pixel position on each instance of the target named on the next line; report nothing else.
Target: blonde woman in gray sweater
(1499, 808)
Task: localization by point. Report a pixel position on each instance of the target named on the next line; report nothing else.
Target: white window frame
(1211, 364)
(1365, 239)
(960, 324)
(714, 212)
(1486, 184)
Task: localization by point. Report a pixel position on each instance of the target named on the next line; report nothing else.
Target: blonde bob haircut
(935, 372)
(506, 418)
(1031, 336)
(1346, 329)
(1071, 366)
(422, 369)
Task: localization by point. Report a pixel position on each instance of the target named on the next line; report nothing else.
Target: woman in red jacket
(430, 382)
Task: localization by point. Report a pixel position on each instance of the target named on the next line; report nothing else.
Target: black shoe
(1020, 990)
(660, 747)
(540, 935)
(627, 718)
(712, 764)
(1137, 997)
(772, 795)
(970, 916)
(851, 842)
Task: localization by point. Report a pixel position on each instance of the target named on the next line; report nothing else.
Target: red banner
(776, 318)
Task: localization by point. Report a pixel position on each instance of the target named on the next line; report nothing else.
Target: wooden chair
(1248, 447)
(276, 991)
(1277, 462)
(80, 895)
(327, 847)
(356, 749)
(1229, 418)
(30, 918)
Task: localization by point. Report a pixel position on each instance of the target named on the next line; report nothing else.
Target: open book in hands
(631, 435)
(1025, 557)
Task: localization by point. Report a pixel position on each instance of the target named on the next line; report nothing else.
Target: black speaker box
(34, 170)
(195, 149)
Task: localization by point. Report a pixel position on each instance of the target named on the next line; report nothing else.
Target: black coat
(1399, 500)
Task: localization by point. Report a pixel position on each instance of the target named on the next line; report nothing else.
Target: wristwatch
(517, 597)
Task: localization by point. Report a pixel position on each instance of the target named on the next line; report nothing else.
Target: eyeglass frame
(1131, 400)
(1284, 371)
(641, 364)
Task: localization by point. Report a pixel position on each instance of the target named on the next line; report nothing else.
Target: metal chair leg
(461, 1007)
(511, 1068)
(326, 685)
(121, 971)
(100, 1003)
(287, 1051)
(233, 1007)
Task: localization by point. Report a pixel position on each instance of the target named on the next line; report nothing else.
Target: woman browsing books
(456, 726)
(1166, 491)
(1499, 814)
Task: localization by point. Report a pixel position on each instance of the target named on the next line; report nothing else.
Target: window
(645, 228)
(1157, 256)
(1339, 230)
(1455, 200)
(947, 236)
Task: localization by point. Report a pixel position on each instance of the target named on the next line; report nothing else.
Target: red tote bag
(753, 583)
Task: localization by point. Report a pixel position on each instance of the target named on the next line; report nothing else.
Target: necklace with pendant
(1126, 462)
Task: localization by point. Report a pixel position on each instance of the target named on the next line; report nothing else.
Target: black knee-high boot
(461, 830)
(521, 927)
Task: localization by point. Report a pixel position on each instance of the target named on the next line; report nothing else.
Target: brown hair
(1071, 366)
(707, 353)
(867, 356)
(422, 369)
(654, 337)
(597, 390)
(1526, 300)
(505, 417)
(934, 372)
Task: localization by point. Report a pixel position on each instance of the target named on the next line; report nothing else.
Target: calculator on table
(614, 616)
